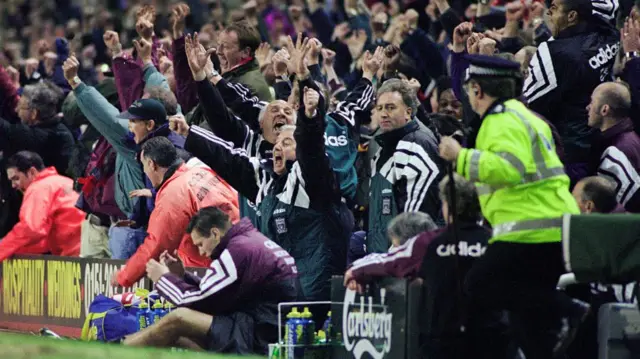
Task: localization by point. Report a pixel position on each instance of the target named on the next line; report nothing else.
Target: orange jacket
(49, 220)
(177, 200)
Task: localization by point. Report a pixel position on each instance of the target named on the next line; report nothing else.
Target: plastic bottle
(292, 333)
(141, 315)
(158, 311)
(309, 327)
(328, 327)
(168, 307)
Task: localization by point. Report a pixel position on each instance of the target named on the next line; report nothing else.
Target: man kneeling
(234, 307)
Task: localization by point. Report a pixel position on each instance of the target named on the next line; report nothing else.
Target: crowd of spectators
(319, 122)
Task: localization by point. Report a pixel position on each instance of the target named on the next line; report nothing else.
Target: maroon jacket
(618, 154)
(442, 263)
(249, 273)
(129, 76)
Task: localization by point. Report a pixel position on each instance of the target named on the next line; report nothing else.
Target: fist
(514, 11)
(311, 100)
(144, 28)
(111, 39)
(30, 66)
(178, 124)
(462, 33)
(14, 74)
(43, 47)
(487, 46)
(70, 68)
(328, 57)
(449, 148)
(143, 48)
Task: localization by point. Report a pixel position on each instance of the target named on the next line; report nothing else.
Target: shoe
(46, 332)
(569, 326)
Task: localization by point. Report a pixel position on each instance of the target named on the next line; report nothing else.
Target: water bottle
(293, 333)
(328, 327)
(168, 307)
(141, 315)
(158, 311)
(309, 327)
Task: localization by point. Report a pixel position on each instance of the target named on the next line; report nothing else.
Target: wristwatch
(76, 80)
(213, 74)
(630, 55)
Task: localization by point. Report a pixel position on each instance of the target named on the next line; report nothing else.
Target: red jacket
(49, 220)
(184, 193)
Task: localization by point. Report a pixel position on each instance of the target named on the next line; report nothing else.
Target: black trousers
(522, 279)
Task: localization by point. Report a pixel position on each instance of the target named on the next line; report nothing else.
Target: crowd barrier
(55, 292)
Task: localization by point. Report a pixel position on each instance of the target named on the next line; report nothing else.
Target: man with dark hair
(595, 195)
(235, 308)
(405, 168)
(565, 71)
(182, 191)
(618, 147)
(442, 264)
(49, 220)
(236, 51)
(515, 154)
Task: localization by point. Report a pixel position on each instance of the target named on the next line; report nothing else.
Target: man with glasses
(523, 192)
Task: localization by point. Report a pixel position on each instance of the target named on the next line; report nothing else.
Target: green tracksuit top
(520, 180)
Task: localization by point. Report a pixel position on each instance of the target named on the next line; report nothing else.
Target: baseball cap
(146, 109)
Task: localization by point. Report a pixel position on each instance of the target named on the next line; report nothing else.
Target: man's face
(595, 119)
(586, 207)
(151, 170)
(206, 244)
(283, 151)
(448, 104)
(21, 180)
(229, 51)
(140, 129)
(558, 17)
(277, 114)
(392, 112)
(27, 115)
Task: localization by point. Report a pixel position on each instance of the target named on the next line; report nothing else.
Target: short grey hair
(408, 95)
(44, 98)
(409, 224)
(466, 201)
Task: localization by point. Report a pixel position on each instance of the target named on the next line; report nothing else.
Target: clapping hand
(197, 56)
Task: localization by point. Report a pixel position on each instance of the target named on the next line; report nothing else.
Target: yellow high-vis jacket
(521, 183)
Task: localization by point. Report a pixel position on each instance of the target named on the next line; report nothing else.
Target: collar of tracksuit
(170, 171)
(614, 131)
(250, 65)
(392, 137)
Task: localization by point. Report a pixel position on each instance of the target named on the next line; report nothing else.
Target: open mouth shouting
(278, 123)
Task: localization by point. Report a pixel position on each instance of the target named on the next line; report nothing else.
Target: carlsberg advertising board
(372, 324)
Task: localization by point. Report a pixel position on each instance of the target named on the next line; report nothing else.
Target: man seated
(49, 220)
(596, 194)
(442, 262)
(234, 307)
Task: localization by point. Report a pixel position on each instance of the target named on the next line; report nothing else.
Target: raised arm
(222, 122)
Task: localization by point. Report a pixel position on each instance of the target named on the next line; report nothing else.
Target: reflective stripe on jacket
(521, 183)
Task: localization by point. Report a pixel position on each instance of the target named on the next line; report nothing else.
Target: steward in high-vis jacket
(406, 169)
(299, 201)
(523, 192)
(567, 68)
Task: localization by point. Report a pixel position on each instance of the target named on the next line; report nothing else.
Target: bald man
(596, 195)
(617, 150)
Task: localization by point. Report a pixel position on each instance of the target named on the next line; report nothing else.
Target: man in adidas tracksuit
(406, 168)
(567, 68)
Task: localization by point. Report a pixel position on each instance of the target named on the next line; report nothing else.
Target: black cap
(146, 109)
(490, 66)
